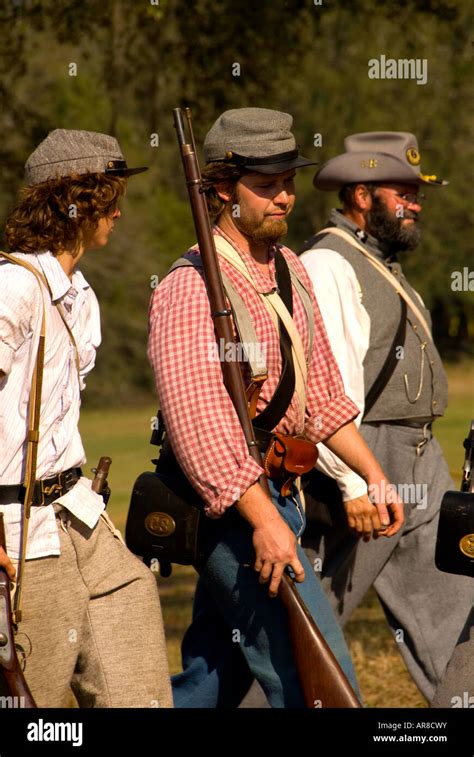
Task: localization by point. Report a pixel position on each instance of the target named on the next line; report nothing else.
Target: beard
(389, 229)
(269, 230)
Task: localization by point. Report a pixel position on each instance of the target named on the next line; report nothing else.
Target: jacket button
(434, 403)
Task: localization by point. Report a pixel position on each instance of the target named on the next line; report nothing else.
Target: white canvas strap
(276, 308)
(385, 273)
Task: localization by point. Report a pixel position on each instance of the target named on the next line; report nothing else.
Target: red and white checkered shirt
(200, 419)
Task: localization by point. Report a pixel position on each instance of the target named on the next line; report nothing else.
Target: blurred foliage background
(137, 59)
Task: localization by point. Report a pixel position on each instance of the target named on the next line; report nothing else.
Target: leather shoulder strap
(32, 439)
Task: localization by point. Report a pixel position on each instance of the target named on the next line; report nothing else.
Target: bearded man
(239, 630)
(380, 333)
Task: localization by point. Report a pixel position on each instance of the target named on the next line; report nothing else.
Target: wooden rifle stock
(323, 681)
(10, 667)
(320, 674)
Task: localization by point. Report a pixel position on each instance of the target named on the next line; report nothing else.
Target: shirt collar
(57, 279)
(263, 283)
(373, 245)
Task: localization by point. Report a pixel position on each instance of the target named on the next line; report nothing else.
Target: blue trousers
(238, 632)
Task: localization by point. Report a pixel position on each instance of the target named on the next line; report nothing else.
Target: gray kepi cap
(379, 156)
(68, 151)
(257, 139)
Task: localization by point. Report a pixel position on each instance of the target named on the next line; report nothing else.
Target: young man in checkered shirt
(239, 631)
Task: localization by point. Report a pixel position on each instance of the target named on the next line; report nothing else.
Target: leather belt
(410, 422)
(46, 491)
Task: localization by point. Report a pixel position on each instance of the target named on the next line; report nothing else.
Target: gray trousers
(92, 619)
(425, 608)
(457, 687)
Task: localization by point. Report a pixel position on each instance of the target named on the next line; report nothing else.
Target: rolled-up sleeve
(200, 419)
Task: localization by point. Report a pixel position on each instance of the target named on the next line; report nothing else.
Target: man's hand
(274, 542)
(275, 548)
(6, 563)
(376, 516)
(365, 518)
(348, 444)
(389, 505)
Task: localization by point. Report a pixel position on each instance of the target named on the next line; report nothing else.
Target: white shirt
(347, 323)
(60, 446)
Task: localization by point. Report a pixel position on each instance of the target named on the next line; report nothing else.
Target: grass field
(124, 435)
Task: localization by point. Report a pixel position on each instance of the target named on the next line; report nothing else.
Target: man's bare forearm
(256, 506)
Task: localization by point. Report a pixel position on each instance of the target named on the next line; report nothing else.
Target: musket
(322, 679)
(10, 668)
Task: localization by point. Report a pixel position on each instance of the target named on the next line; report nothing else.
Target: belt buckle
(69, 478)
(48, 490)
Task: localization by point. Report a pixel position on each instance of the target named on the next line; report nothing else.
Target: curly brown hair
(54, 214)
(218, 172)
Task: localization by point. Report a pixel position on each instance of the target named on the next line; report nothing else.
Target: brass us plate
(466, 545)
(160, 524)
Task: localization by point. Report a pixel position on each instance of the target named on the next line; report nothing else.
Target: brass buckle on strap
(69, 479)
(253, 392)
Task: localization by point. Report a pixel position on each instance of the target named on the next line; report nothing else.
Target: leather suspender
(34, 409)
(32, 438)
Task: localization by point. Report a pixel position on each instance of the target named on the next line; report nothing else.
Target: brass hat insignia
(413, 156)
(369, 163)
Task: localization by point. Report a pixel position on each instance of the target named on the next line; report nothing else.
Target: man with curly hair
(90, 610)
